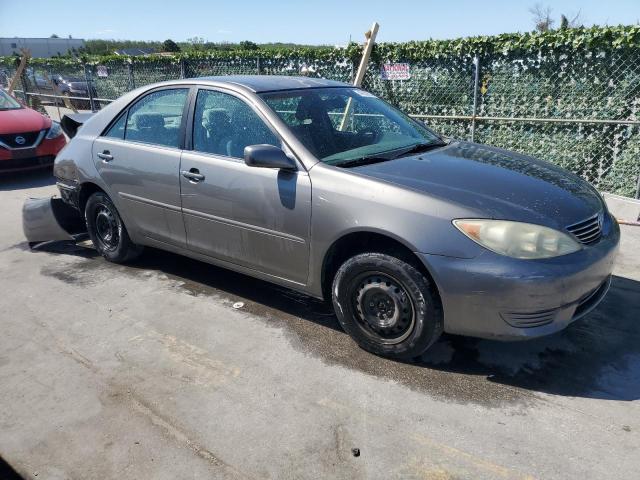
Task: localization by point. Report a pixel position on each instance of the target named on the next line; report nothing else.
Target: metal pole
(258, 65)
(88, 79)
(132, 80)
(476, 82)
(638, 187)
(183, 68)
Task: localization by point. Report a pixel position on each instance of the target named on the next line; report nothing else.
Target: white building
(39, 47)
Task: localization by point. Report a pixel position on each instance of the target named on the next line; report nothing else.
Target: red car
(28, 139)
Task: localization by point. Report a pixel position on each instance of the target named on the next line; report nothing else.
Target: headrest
(307, 108)
(148, 120)
(216, 117)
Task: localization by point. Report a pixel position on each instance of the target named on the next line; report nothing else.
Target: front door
(139, 159)
(254, 217)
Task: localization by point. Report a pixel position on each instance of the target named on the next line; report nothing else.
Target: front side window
(343, 125)
(155, 119)
(224, 125)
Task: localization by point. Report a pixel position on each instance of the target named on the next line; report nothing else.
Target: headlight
(54, 130)
(518, 240)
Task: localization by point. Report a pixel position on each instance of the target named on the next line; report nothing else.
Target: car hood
(494, 183)
(22, 120)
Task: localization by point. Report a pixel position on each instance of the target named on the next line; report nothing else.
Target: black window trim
(183, 122)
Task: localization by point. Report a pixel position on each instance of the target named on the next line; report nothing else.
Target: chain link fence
(577, 110)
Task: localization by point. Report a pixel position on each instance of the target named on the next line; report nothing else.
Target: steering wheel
(369, 133)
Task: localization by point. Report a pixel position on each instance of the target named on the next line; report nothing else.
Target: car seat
(149, 128)
(315, 129)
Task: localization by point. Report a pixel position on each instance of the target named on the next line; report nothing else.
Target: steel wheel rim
(383, 308)
(107, 227)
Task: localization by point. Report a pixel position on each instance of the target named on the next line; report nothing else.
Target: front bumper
(502, 298)
(30, 158)
(24, 164)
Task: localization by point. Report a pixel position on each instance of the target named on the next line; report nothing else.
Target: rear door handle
(193, 175)
(105, 156)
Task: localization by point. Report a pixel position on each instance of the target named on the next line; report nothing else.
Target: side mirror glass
(267, 156)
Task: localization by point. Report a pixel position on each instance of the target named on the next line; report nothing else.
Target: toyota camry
(324, 188)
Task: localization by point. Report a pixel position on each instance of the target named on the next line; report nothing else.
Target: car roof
(270, 83)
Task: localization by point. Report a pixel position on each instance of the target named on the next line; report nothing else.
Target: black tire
(387, 305)
(107, 231)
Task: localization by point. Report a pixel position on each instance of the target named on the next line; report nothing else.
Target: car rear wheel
(107, 231)
(387, 305)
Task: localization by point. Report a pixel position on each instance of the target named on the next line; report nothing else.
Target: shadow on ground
(24, 180)
(7, 472)
(596, 357)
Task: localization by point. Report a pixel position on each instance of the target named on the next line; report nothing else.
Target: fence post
(183, 68)
(638, 187)
(132, 80)
(476, 84)
(258, 66)
(88, 78)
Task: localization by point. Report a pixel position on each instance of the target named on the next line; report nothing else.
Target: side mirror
(267, 156)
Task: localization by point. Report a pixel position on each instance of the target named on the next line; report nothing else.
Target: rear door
(139, 159)
(254, 217)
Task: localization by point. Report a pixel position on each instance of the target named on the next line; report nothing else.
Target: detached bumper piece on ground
(50, 219)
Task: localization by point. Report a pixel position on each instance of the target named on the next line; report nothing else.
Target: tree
(170, 46)
(53, 35)
(542, 17)
(197, 43)
(574, 22)
(248, 45)
(543, 21)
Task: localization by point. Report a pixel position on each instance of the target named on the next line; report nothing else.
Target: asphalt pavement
(169, 368)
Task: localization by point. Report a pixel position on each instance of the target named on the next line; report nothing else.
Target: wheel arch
(361, 241)
(86, 190)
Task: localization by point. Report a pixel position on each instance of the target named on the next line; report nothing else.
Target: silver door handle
(193, 176)
(106, 156)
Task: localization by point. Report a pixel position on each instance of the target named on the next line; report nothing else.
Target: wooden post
(370, 39)
(57, 93)
(26, 54)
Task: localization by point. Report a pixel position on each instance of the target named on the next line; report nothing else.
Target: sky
(329, 22)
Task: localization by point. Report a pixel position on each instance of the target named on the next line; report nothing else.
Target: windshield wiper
(418, 147)
(366, 160)
(390, 154)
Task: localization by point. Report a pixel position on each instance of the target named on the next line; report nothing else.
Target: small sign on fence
(102, 71)
(395, 71)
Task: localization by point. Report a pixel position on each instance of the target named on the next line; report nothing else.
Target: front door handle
(105, 156)
(193, 175)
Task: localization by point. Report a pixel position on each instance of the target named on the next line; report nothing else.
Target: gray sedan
(326, 189)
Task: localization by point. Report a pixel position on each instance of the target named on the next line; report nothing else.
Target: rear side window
(224, 125)
(154, 119)
(117, 129)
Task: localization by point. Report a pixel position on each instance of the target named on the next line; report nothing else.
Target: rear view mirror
(335, 103)
(267, 156)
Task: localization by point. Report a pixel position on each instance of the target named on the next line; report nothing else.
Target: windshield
(343, 125)
(7, 102)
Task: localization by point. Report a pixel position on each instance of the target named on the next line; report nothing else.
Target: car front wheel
(387, 305)
(106, 230)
